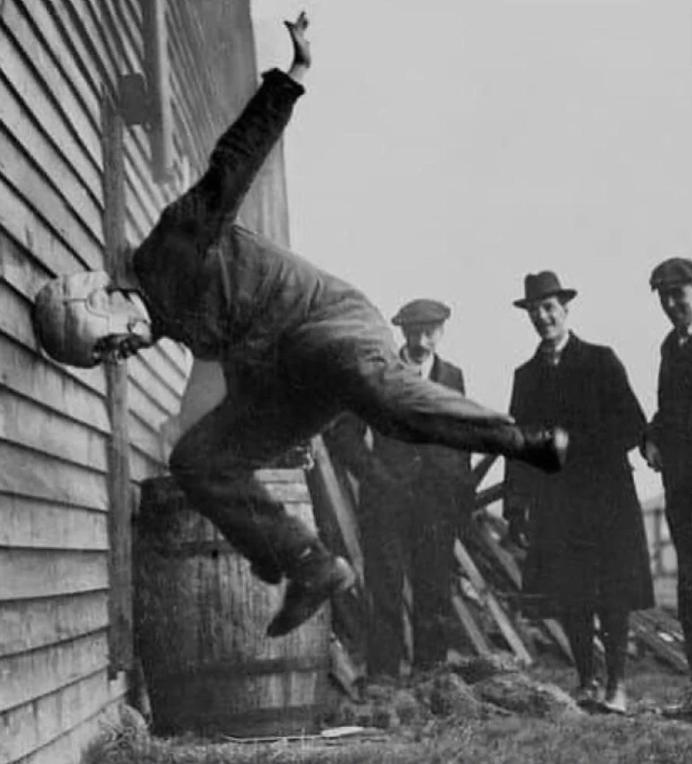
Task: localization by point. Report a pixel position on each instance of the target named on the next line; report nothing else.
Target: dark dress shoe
(544, 448)
(309, 587)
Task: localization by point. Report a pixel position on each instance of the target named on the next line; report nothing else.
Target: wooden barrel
(200, 620)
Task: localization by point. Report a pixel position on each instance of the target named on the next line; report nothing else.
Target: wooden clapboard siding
(28, 625)
(58, 59)
(28, 522)
(67, 745)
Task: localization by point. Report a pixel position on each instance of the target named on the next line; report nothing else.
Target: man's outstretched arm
(243, 148)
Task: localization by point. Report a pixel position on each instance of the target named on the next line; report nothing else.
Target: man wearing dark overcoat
(587, 552)
(413, 499)
(668, 443)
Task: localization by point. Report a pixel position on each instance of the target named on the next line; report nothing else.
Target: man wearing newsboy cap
(412, 501)
(297, 345)
(587, 550)
(668, 443)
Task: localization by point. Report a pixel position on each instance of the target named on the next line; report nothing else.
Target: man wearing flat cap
(667, 446)
(587, 552)
(413, 499)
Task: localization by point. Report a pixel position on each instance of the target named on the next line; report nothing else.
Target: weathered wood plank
(29, 229)
(338, 504)
(26, 375)
(27, 625)
(69, 746)
(36, 524)
(39, 145)
(512, 570)
(28, 676)
(28, 424)
(17, 70)
(32, 573)
(27, 473)
(161, 370)
(50, 77)
(63, 50)
(18, 169)
(488, 598)
(37, 724)
(469, 625)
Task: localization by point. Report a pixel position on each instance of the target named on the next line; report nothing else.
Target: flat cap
(671, 272)
(422, 312)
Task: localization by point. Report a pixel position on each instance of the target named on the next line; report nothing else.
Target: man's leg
(395, 400)
(214, 463)
(384, 578)
(614, 625)
(679, 515)
(578, 623)
(432, 541)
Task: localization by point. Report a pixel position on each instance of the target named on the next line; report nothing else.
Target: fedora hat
(538, 286)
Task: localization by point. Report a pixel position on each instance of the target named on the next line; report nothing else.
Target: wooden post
(154, 31)
(119, 493)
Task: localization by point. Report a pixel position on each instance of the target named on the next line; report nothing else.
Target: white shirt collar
(425, 368)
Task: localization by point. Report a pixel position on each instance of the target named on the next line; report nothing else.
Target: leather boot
(315, 577)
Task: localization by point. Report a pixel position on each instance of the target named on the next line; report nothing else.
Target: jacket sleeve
(190, 224)
(655, 429)
(622, 418)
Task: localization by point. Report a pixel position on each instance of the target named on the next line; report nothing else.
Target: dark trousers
(679, 516)
(407, 537)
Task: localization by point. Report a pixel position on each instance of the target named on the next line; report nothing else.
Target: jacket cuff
(280, 79)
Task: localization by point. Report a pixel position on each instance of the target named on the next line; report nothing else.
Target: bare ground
(642, 737)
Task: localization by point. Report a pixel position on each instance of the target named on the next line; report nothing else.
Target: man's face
(122, 309)
(549, 318)
(421, 340)
(676, 302)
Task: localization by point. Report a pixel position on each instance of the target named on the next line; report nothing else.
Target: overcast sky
(446, 148)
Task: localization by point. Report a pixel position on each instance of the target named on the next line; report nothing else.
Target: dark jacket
(586, 534)
(671, 426)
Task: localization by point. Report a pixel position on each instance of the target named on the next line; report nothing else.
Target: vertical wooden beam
(119, 493)
(155, 34)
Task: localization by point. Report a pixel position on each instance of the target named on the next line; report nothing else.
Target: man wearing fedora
(587, 552)
(413, 499)
(667, 446)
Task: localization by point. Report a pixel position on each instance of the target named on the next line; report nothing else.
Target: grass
(643, 738)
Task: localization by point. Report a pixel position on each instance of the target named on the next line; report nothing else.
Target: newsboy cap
(538, 286)
(671, 272)
(422, 312)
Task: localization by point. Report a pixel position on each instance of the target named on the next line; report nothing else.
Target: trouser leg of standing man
(679, 516)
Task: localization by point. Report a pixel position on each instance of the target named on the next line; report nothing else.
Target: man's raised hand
(302, 58)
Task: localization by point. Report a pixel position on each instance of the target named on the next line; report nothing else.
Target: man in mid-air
(298, 346)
